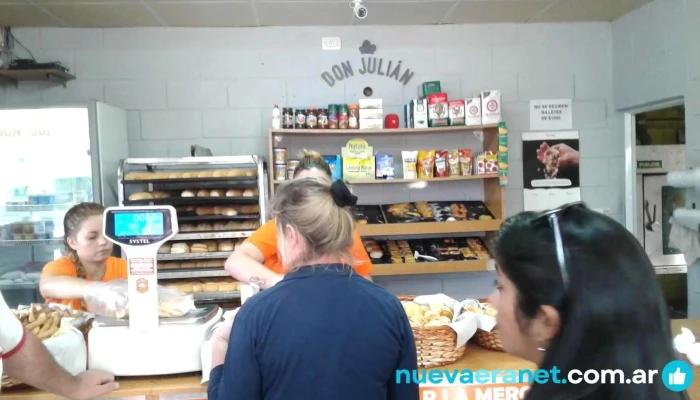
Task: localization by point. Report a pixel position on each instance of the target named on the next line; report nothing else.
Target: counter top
(475, 358)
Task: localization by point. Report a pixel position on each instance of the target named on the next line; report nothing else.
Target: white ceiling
(247, 13)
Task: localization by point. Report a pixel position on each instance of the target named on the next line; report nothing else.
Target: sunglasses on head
(552, 217)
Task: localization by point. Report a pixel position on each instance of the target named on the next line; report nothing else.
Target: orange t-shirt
(115, 269)
(265, 239)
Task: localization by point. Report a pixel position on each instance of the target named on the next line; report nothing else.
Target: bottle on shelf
(276, 121)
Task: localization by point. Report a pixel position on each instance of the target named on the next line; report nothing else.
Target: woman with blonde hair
(88, 258)
(258, 259)
(323, 332)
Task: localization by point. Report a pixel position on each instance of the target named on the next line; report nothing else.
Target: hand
(568, 157)
(93, 384)
(219, 340)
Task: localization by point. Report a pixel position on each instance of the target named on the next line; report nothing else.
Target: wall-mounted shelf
(429, 228)
(14, 76)
(426, 180)
(440, 267)
(378, 132)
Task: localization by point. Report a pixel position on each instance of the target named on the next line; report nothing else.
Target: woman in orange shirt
(257, 259)
(88, 259)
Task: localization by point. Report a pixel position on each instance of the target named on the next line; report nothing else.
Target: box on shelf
(473, 111)
(336, 165)
(456, 112)
(491, 107)
(366, 124)
(437, 110)
(371, 104)
(371, 113)
(416, 114)
(385, 166)
(358, 160)
(427, 88)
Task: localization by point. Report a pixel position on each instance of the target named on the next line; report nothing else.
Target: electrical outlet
(330, 43)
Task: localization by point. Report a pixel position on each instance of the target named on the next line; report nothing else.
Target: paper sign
(551, 115)
(141, 266)
(501, 391)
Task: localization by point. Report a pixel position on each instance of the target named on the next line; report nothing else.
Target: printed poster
(550, 169)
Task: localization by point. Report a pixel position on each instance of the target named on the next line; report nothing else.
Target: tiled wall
(216, 88)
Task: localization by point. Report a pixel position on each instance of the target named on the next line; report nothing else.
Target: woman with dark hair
(575, 290)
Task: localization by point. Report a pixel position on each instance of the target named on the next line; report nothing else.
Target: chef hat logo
(367, 47)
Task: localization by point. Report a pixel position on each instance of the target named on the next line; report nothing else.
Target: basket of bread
(61, 329)
(486, 335)
(440, 327)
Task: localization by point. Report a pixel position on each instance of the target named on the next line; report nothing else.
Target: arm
(27, 360)
(246, 265)
(241, 372)
(408, 360)
(63, 287)
(363, 265)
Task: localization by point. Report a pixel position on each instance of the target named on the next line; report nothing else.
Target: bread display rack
(220, 201)
(494, 192)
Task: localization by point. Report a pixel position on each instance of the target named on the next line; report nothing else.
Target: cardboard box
(371, 113)
(376, 123)
(456, 112)
(427, 88)
(417, 113)
(473, 110)
(438, 110)
(371, 104)
(490, 107)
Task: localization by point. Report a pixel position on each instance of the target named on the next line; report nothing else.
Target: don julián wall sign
(368, 66)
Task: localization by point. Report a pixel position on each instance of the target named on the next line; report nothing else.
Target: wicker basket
(435, 345)
(489, 340)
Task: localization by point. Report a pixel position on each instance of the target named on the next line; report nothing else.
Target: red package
(442, 168)
(465, 161)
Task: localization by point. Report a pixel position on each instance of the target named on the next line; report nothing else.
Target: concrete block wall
(216, 88)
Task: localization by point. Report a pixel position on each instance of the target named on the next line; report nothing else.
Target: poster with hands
(551, 165)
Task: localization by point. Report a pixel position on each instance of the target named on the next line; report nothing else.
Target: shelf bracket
(55, 79)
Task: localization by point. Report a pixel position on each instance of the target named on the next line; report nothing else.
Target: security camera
(359, 10)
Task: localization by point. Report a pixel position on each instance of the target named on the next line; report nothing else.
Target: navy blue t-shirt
(322, 333)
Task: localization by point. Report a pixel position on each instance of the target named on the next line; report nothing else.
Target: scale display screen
(133, 224)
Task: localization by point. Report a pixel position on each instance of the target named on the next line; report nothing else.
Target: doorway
(656, 146)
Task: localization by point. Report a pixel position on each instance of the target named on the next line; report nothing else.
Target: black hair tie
(342, 195)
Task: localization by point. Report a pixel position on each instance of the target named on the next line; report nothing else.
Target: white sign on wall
(550, 115)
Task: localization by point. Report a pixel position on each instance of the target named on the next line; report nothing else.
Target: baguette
(141, 196)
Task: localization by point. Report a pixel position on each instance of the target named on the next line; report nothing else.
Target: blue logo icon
(677, 376)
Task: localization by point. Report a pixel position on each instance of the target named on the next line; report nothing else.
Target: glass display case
(48, 163)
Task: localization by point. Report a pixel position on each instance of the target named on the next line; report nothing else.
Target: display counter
(187, 387)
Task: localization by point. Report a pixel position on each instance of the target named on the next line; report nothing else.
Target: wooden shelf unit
(494, 194)
(440, 267)
(14, 76)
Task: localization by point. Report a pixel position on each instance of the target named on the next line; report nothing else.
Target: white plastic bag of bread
(485, 313)
(219, 173)
(173, 304)
(440, 310)
(204, 285)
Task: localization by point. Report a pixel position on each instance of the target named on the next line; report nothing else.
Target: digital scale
(146, 344)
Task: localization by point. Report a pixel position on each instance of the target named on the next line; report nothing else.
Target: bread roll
(160, 195)
(220, 173)
(188, 193)
(141, 196)
(225, 246)
(211, 245)
(161, 175)
(175, 175)
(205, 174)
(188, 264)
(211, 287)
(250, 209)
(217, 193)
(201, 211)
(204, 227)
(234, 193)
(376, 254)
(229, 211)
(203, 193)
(199, 248)
(250, 192)
(235, 173)
(197, 287)
(228, 286)
(188, 228)
(251, 172)
(132, 176)
(190, 174)
(164, 249)
(179, 248)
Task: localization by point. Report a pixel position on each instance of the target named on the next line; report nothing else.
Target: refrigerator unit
(51, 159)
(656, 201)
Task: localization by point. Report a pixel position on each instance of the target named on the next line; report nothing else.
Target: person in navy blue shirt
(323, 332)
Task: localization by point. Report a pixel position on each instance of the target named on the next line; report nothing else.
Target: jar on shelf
(323, 118)
(332, 116)
(287, 118)
(343, 116)
(354, 116)
(300, 118)
(311, 118)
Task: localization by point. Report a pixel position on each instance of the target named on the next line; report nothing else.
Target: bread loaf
(205, 174)
(250, 192)
(141, 196)
(179, 248)
(211, 287)
(211, 245)
(132, 176)
(250, 209)
(188, 193)
(164, 249)
(175, 175)
(161, 175)
(220, 173)
(160, 195)
(217, 193)
(199, 248)
(234, 193)
(201, 211)
(225, 246)
(235, 173)
(188, 228)
(190, 174)
(229, 211)
(203, 193)
(251, 172)
(204, 227)
(188, 264)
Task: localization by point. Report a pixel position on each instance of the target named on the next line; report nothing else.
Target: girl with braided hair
(88, 258)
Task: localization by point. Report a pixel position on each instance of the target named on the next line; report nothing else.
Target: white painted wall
(216, 88)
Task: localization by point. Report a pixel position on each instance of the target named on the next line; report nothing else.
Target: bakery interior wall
(216, 88)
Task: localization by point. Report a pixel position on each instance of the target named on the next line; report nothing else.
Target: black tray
(194, 201)
(410, 214)
(475, 210)
(190, 181)
(197, 218)
(372, 214)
